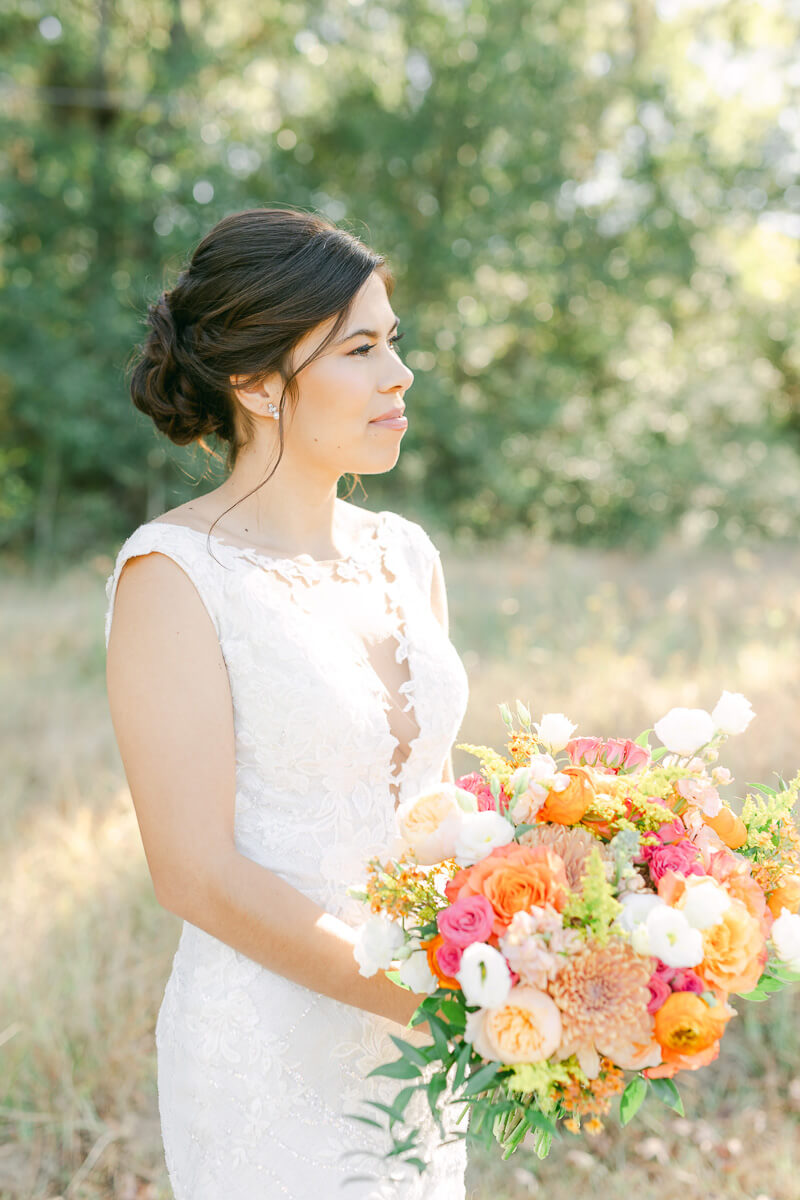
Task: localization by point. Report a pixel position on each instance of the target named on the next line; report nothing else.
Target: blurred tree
(592, 210)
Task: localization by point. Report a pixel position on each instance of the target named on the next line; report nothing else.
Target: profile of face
(357, 378)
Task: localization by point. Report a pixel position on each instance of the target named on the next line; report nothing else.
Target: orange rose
(686, 1025)
(513, 877)
(567, 807)
(430, 948)
(729, 827)
(734, 950)
(785, 896)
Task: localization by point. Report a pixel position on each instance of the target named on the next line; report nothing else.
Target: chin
(375, 464)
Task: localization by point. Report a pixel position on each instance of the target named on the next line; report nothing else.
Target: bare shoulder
(191, 514)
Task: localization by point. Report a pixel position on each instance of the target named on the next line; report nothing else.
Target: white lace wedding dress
(256, 1072)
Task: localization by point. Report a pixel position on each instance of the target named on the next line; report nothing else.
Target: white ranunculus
(479, 834)
(376, 943)
(704, 902)
(668, 935)
(554, 731)
(430, 822)
(685, 730)
(785, 934)
(732, 713)
(636, 908)
(416, 973)
(484, 976)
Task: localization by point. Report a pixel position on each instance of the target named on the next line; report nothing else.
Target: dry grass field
(610, 639)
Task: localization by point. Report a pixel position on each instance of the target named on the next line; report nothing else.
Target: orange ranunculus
(729, 827)
(513, 877)
(430, 948)
(683, 1062)
(686, 1025)
(567, 807)
(734, 950)
(785, 896)
(745, 888)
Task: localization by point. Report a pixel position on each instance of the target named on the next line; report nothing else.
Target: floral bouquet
(580, 912)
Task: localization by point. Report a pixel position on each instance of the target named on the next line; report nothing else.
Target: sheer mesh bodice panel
(347, 697)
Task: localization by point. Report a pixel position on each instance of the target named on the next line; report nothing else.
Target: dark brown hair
(255, 285)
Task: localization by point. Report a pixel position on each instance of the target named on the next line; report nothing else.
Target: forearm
(263, 916)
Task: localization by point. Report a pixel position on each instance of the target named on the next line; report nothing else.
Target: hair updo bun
(256, 284)
(167, 383)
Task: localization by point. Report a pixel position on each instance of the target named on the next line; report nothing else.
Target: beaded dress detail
(256, 1073)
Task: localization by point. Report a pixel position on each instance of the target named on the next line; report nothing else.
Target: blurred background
(593, 214)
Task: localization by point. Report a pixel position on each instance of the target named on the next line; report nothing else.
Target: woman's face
(358, 377)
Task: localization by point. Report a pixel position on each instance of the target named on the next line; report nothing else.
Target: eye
(363, 351)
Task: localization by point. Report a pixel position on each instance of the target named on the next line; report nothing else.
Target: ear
(254, 398)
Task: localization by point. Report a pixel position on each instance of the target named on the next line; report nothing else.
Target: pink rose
(467, 920)
(635, 756)
(584, 751)
(448, 957)
(681, 857)
(659, 991)
(671, 831)
(685, 980)
(612, 755)
(476, 784)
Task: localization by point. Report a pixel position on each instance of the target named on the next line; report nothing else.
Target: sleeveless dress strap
(189, 553)
(418, 550)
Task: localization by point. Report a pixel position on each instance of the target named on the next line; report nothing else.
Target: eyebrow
(366, 333)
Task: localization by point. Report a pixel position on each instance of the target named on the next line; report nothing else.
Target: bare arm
(172, 712)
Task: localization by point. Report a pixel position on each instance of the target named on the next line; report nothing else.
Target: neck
(294, 512)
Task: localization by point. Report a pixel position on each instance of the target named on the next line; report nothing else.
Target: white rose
(430, 822)
(376, 943)
(554, 730)
(636, 908)
(685, 730)
(416, 973)
(704, 902)
(732, 713)
(479, 834)
(785, 934)
(667, 935)
(484, 976)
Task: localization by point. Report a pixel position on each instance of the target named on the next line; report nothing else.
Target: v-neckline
(370, 544)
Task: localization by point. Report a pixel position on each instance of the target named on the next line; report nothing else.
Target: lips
(393, 412)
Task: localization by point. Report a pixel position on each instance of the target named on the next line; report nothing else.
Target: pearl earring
(273, 412)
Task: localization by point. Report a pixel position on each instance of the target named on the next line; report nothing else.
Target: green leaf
(400, 1069)
(455, 1014)
(631, 1099)
(641, 740)
(412, 1053)
(462, 1062)
(365, 1120)
(481, 1079)
(756, 997)
(667, 1092)
(418, 1163)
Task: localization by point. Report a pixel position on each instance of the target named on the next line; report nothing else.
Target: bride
(280, 677)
